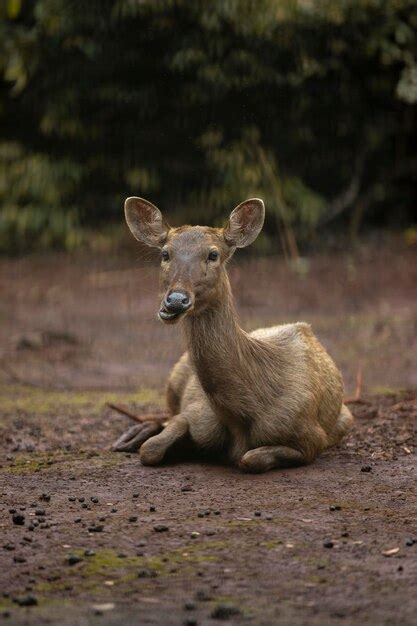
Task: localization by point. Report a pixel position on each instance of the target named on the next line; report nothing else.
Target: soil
(89, 536)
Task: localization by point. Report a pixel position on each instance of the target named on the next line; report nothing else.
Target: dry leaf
(108, 606)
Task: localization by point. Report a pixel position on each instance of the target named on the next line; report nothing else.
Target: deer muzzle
(174, 305)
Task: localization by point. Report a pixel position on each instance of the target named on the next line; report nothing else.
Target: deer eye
(165, 255)
(213, 255)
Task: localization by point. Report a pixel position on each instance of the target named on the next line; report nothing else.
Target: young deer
(270, 398)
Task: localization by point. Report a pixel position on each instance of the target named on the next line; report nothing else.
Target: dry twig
(161, 416)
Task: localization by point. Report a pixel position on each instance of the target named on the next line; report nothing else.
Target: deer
(267, 399)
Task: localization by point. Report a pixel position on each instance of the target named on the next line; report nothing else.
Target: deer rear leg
(154, 449)
(266, 458)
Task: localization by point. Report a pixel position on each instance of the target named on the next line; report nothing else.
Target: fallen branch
(161, 416)
(357, 399)
(353, 400)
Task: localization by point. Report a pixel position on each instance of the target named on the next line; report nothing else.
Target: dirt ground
(92, 537)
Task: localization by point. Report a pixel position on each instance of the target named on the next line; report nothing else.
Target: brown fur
(270, 398)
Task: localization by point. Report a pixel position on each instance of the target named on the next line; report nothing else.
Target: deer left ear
(245, 223)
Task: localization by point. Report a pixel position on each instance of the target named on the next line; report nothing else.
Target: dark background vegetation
(197, 105)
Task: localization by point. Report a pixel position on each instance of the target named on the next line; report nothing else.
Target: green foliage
(310, 105)
(33, 189)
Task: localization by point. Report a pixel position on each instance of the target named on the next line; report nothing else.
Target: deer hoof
(255, 462)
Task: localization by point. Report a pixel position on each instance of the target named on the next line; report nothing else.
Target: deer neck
(220, 351)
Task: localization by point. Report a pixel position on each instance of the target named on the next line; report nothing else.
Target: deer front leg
(134, 437)
(265, 458)
(154, 449)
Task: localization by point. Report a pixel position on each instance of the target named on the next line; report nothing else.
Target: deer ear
(146, 222)
(245, 223)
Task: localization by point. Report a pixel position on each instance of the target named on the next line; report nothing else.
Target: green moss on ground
(32, 400)
(92, 572)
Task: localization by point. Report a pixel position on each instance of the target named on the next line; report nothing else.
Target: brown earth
(252, 549)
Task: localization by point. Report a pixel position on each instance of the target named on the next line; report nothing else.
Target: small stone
(89, 553)
(18, 519)
(194, 534)
(77, 520)
(202, 595)
(410, 541)
(147, 573)
(257, 513)
(328, 543)
(72, 499)
(95, 529)
(40, 512)
(225, 611)
(9, 546)
(161, 528)
(190, 621)
(113, 510)
(152, 509)
(19, 559)
(94, 499)
(200, 514)
(73, 559)
(45, 497)
(190, 605)
(135, 495)
(133, 518)
(11, 511)
(186, 488)
(28, 600)
(366, 468)
(81, 499)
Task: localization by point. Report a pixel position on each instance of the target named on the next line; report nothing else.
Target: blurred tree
(310, 104)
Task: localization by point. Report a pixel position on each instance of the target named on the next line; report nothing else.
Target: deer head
(193, 258)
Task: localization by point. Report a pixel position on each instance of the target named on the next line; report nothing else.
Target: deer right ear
(146, 222)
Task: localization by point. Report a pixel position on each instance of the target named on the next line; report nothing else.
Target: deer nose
(177, 301)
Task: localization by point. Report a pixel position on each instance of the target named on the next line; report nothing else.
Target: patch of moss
(30, 463)
(5, 604)
(46, 401)
(390, 392)
(107, 564)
